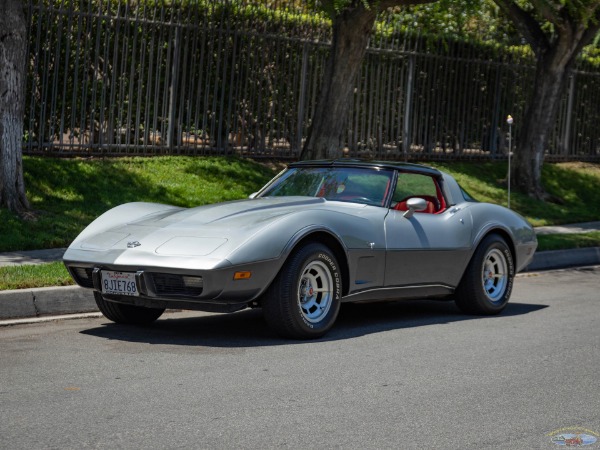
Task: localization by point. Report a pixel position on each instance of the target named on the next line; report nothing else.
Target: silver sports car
(319, 234)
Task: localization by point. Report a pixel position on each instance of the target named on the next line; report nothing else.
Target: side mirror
(415, 204)
(253, 195)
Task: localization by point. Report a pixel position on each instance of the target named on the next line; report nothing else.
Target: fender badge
(133, 244)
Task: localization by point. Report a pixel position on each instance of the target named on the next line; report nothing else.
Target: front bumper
(167, 287)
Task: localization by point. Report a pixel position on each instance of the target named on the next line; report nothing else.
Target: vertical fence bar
(301, 99)
(566, 137)
(173, 86)
(406, 135)
(122, 76)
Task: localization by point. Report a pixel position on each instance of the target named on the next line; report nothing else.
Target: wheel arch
(503, 234)
(472, 296)
(334, 244)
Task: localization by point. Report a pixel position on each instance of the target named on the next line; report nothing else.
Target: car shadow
(248, 328)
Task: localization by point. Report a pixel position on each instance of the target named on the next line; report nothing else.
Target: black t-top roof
(347, 162)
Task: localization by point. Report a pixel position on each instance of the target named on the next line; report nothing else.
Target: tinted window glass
(413, 184)
(333, 183)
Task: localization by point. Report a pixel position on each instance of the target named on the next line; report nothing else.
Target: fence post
(492, 143)
(301, 99)
(173, 89)
(566, 137)
(406, 137)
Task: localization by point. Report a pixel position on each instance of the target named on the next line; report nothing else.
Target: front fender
(278, 238)
(276, 241)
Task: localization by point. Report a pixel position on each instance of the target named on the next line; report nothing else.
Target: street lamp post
(509, 121)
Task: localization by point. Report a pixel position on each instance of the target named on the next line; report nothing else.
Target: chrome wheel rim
(495, 270)
(315, 291)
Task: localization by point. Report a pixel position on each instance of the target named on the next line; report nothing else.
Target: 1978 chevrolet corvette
(319, 234)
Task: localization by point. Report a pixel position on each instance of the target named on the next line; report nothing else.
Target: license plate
(119, 283)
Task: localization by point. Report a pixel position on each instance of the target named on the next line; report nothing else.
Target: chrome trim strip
(401, 292)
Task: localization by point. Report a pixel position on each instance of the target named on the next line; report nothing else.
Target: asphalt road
(400, 375)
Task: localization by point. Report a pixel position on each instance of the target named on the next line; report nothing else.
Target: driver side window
(411, 185)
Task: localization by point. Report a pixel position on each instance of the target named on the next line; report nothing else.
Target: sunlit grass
(577, 185)
(32, 276)
(567, 241)
(67, 194)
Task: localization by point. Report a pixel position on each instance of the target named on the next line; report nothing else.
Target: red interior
(435, 205)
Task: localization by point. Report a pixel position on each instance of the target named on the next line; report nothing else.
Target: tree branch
(384, 4)
(592, 30)
(548, 12)
(526, 25)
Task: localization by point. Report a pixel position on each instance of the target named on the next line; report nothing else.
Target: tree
(557, 31)
(353, 22)
(13, 57)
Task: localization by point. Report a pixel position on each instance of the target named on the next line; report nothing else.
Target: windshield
(368, 186)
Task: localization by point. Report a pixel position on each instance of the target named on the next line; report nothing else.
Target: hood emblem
(133, 244)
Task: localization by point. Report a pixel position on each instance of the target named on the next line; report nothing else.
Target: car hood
(206, 235)
(242, 213)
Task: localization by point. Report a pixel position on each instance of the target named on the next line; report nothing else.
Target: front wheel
(304, 299)
(127, 314)
(487, 283)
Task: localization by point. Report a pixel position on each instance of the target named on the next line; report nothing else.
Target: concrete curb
(46, 301)
(561, 259)
(33, 303)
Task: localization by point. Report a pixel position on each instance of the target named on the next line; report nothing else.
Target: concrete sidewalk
(568, 229)
(31, 257)
(40, 302)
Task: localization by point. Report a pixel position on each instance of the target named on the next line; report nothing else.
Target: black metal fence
(121, 77)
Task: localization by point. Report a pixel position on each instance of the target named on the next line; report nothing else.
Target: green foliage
(334, 7)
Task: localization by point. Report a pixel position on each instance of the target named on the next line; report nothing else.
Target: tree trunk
(352, 29)
(556, 52)
(13, 57)
(538, 122)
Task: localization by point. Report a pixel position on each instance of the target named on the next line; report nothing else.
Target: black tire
(488, 281)
(304, 299)
(127, 314)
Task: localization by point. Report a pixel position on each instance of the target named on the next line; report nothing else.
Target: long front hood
(234, 214)
(200, 238)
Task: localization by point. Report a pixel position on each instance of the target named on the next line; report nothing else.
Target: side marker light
(242, 275)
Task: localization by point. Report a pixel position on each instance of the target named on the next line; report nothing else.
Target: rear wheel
(304, 299)
(487, 283)
(127, 314)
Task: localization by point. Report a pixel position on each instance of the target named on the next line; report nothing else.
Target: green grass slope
(67, 194)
